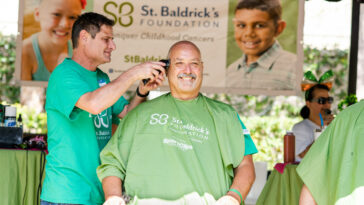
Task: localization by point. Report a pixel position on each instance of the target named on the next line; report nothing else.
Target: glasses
(322, 100)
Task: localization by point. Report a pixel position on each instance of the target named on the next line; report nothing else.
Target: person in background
(82, 104)
(264, 64)
(181, 146)
(318, 102)
(333, 169)
(43, 51)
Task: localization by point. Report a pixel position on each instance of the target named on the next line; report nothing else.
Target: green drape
(282, 189)
(19, 176)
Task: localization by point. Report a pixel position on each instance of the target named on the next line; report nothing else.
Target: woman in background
(318, 103)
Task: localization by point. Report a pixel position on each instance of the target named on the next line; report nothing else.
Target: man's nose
(188, 68)
(112, 45)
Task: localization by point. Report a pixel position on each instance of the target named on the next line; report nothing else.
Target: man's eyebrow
(194, 59)
(108, 37)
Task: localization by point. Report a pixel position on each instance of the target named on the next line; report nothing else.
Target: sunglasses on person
(322, 100)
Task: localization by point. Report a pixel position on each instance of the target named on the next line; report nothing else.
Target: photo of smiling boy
(44, 50)
(264, 64)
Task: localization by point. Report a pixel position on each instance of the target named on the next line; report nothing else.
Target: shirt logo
(156, 118)
(101, 82)
(101, 119)
(246, 132)
(180, 145)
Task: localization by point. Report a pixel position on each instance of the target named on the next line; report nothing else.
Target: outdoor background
(326, 45)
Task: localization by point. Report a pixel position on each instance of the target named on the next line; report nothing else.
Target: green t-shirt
(333, 168)
(249, 144)
(75, 137)
(166, 148)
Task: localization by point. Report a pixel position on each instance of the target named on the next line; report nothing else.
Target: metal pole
(354, 44)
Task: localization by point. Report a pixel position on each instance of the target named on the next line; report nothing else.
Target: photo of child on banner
(44, 50)
(264, 63)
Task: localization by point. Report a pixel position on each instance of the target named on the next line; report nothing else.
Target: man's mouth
(184, 76)
(108, 53)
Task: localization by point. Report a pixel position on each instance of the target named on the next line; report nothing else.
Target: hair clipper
(166, 61)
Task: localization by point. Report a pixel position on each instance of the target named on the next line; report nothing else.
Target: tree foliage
(8, 89)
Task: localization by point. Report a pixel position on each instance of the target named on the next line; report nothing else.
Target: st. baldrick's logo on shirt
(101, 119)
(102, 123)
(197, 133)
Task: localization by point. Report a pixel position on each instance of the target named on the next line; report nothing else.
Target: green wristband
(236, 191)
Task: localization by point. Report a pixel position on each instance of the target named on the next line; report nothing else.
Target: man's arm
(96, 101)
(304, 152)
(244, 178)
(113, 191)
(306, 197)
(143, 90)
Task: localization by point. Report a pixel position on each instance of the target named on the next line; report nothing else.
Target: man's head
(56, 18)
(257, 23)
(93, 33)
(185, 70)
(90, 22)
(318, 99)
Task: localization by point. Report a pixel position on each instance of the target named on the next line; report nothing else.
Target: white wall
(9, 16)
(327, 24)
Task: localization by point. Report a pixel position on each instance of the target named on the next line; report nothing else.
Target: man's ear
(84, 35)
(281, 25)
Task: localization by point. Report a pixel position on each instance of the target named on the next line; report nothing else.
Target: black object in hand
(327, 111)
(166, 61)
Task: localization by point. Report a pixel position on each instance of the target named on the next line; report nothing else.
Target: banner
(144, 30)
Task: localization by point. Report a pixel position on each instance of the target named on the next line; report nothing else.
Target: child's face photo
(56, 18)
(255, 31)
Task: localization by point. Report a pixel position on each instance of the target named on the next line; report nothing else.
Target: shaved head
(185, 71)
(180, 43)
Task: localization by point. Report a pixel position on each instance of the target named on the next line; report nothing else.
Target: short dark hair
(305, 111)
(91, 22)
(273, 7)
(309, 93)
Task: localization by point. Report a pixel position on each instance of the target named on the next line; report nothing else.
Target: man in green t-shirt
(180, 146)
(82, 104)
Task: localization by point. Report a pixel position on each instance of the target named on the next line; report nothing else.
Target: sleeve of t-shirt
(249, 144)
(69, 88)
(114, 156)
(117, 108)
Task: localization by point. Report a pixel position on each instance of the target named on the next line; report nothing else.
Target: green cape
(333, 169)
